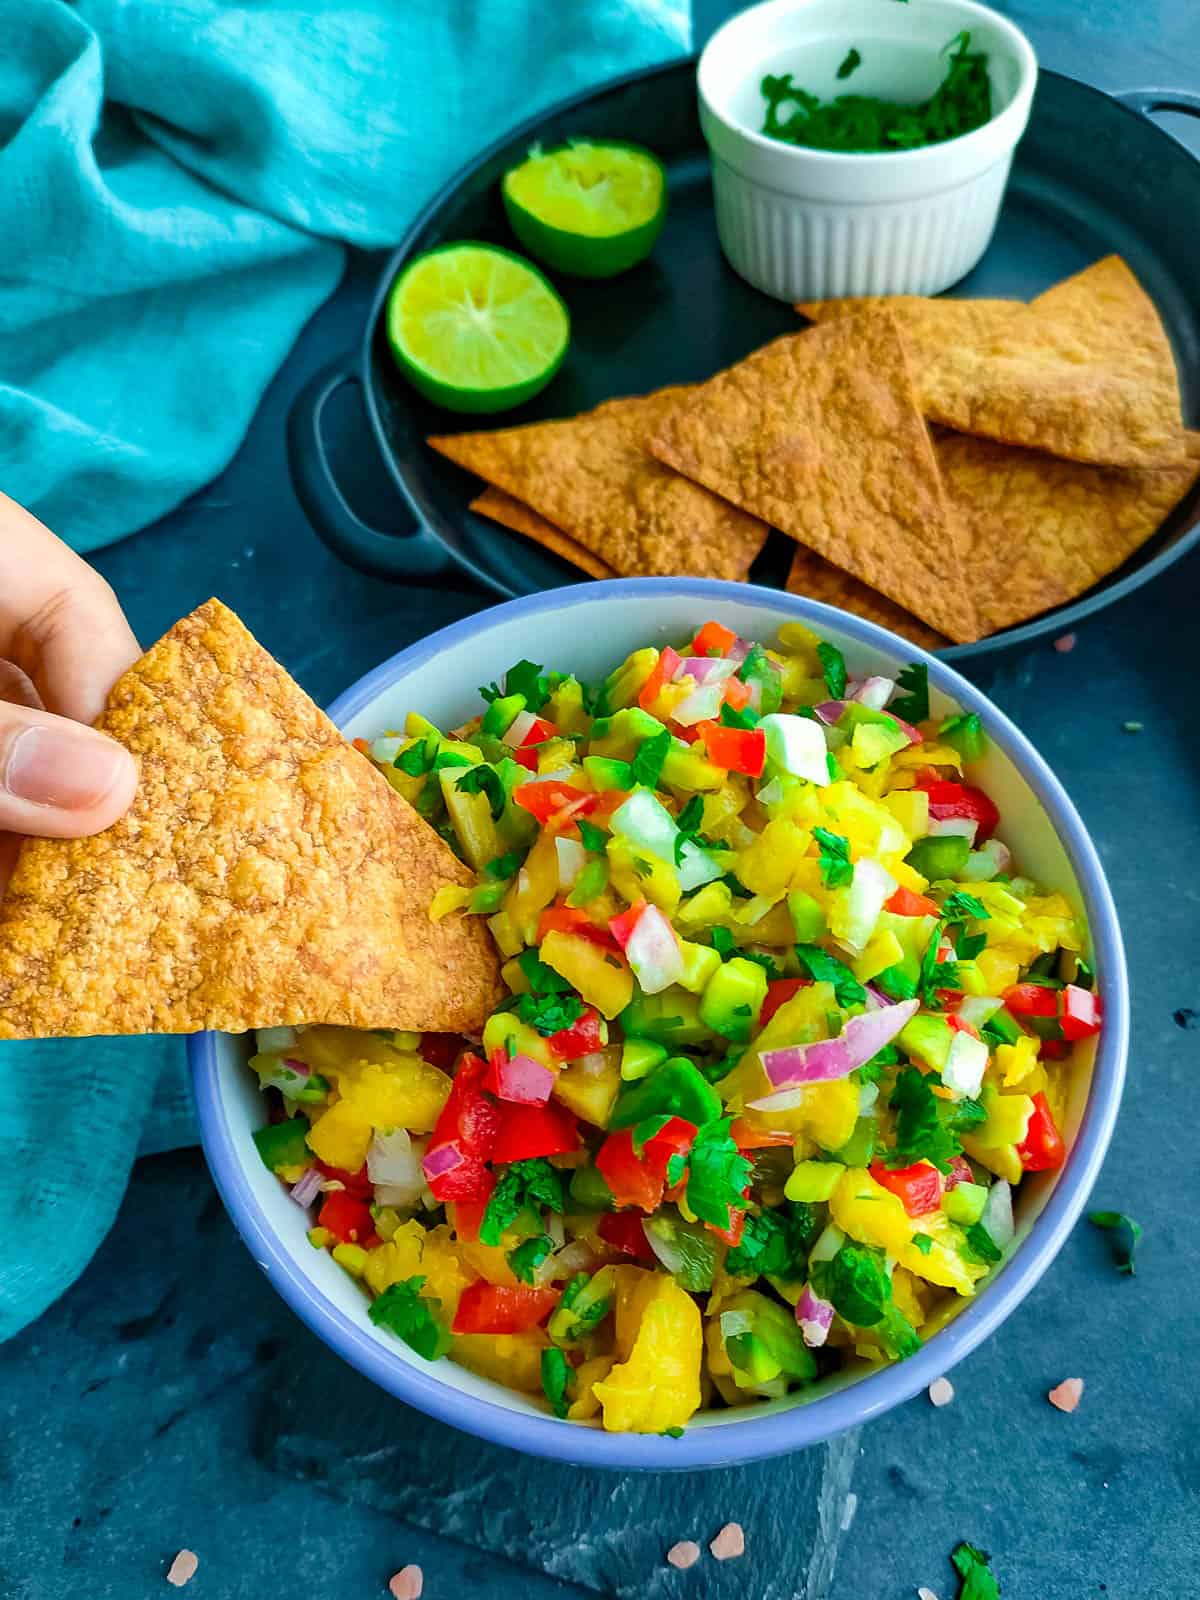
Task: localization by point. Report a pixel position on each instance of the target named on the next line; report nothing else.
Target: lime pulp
(587, 209)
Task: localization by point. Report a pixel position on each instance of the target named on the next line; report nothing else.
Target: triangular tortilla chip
(591, 477)
(927, 326)
(1084, 372)
(514, 514)
(819, 433)
(1041, 531)
(265, 875)
(818, 580)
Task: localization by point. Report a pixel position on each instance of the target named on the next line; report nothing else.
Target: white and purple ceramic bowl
(587, 628)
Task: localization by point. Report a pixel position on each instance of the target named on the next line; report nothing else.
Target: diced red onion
(961, 827)
(874, 692)
(830, 711)
(814, 1317)
(514, 735)
(737, 652)
(441, 1160)
(702, 705)
(572, 858)
(704, 669)
(653, 952)
(876, 997)
(523, 1080)
(862, 1037)
(306, 1188)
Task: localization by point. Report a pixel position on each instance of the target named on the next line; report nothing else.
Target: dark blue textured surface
(171, 1399)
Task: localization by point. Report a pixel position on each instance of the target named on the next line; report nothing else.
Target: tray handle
(1148, 101)
(417, 554)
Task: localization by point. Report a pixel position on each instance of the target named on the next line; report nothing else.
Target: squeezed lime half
(588, 209)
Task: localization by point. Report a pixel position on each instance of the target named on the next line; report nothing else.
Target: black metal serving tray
(1093, 174)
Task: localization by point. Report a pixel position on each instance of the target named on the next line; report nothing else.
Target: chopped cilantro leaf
(404, 1311)
(978, 1579)
(648, 761)
(484, 780)
(736, 887)
(850, 63)
(969, 945)
(594, 838)
(450, 758)
(921, 1135)
(673, 1433)
(980, 1245)
(960, 906)
(717, 1174)
(504, 866)
(556, 1371)
(642, 867)
(895, 983)
(722, 941)
(824, 968)
(548, 1013)
(529, 1255)
(645, 1130)
(856, 1281)
(760, 959)
(836, 868)
(832, 767)
(1118, 1220)
(759, 668)
(913, 706)
(774, 1243)
(833, 664)
(923, 1242)
(416, 760)
(688, 823)
(963, 1115)
(527, 679)
(522, 1183)
(937, 974)
(541, 978)
(745, 718)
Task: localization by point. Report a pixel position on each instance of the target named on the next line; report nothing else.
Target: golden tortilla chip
(514, 514)
(1084, 372)
(1041, 531)
(818, 580)
(591, 477)
(820, 434)
(927, 326)
(266, 874)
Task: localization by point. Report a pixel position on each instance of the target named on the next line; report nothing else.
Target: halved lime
(476, 328)
(591, 210)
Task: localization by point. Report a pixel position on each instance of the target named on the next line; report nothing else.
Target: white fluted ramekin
(804, 224)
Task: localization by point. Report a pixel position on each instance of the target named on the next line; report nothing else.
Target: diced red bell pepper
(747, 1137)
(624, 1232)
(1080, 1012)
(467, 1217)
(526, 757)
(1054, 1049)
(1031, 1000)
(355, 1183)
(737, 693)
(573, 919)
(956, 1024)
(907, 903)
(347, 1217)
(587, 1034)
(918, 1187)
(662, 672)
(622, 925)
(949, 800)
(732, 1235)
(713, 639)
(639, 1180)
(538, 731)
(549, 799)
(960, 1172)
(442, 1049)
(1042, 1149)
(472, 1181)
(495, 1308)
(470, 1117)
(741, 750)
(779, 992)
(527, 1132)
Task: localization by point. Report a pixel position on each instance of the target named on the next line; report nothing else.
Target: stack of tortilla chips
(266, 874)
(1057, 449)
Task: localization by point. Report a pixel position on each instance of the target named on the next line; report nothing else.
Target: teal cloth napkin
(177, 185)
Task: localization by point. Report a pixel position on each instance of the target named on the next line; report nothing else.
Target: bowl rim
(1005, 125)
(803, 1424)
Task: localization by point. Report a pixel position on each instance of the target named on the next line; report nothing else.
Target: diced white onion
(978, 1009)
(571, 860)
(388, 748)
(394, 1163)
(797, 745)
(965, 1065)
(997, 1217)
(517, 729)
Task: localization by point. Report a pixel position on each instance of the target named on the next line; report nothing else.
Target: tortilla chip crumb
(407, 1584)
(183, 1568)
(1066, 1395)
(729, 1543)
(941, 1392)
(684, 1554)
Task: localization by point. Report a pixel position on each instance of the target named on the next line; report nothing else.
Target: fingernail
(59, 767)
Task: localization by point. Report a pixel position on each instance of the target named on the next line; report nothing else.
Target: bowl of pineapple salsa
(813, 1044)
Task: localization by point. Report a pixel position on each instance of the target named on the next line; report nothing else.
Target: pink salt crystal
(684, 1554)
(729, 1543)
(1067, 1395)
(1065, 643)
(183, 1568)
(941, 1392)
(407, 1584)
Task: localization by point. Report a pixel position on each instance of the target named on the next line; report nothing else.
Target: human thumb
(59, 778)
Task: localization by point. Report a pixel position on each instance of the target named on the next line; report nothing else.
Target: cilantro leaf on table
(417, 759)
(978, 1580)
(404, 1311)
(649, 758)
(836, 867)
(548, 1013)
(1118, 1220)
(824, 968)
(717, 1172)
(556, 1371)
(688, 823)
(833, 665)
(594, 838)
(529, 1255)
(913, 706)
(541, 978)
(774, 1243)
(484, 780)
(921, 1134)
(522, 1183)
